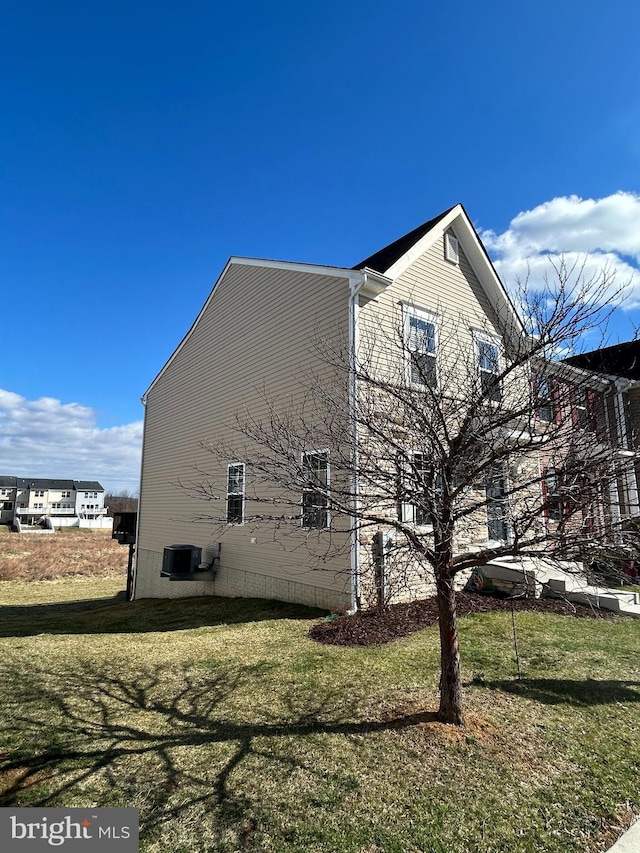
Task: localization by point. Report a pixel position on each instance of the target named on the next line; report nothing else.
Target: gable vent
(451, 249)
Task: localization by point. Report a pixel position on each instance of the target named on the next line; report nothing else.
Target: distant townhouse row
(66, 503)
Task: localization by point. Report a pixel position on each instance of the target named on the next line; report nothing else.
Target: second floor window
(315, 500)
(544, 399)
(421, 347)
(235, 493)
(488, 353)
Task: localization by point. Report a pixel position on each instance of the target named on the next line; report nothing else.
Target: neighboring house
(67, 503)
(261, 330)
(619, 366)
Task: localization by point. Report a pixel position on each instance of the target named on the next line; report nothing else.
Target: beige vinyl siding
(433, 284)
(453, 293)
(258, 335)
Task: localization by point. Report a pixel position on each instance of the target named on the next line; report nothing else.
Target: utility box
(179, 562)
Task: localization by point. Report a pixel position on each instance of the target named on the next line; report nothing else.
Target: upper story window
(421, 334)
(488, 355)
(65, 494)
(91, 495)
(315, 499)
(544, 399)
(38, 493)
(235, 493)
(581, 409)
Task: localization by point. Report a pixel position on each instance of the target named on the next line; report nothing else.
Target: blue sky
(144, 143)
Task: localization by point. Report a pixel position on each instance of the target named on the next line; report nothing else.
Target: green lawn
(231, 730)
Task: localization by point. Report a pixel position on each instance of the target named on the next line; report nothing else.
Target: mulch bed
(377, 627)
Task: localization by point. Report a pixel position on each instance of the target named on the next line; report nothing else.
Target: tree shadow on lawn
(172, 743)
(557, 691)
(116, 615)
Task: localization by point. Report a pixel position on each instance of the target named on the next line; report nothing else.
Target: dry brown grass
(65, 553)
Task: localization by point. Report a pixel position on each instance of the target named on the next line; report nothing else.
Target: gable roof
(379, 269)
(617, 360)
(385, 258)
(394, 259)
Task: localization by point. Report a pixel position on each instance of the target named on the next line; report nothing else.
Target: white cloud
(47, 438)
(605, 231)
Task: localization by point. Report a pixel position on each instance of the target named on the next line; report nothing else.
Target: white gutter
(370, 284)
(355, 285)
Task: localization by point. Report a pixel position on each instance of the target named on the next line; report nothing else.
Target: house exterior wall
(452, 294)
(257, 339)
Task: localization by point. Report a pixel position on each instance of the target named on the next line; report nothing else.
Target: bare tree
(439, 459)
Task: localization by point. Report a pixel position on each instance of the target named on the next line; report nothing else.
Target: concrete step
(632, 610)
(558, 579)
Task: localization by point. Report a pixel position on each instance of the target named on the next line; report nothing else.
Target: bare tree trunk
(450, 710)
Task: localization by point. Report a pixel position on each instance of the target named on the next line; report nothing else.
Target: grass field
(69, 552)
(231, 730)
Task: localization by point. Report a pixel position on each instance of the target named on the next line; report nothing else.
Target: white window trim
(429, 317)
(322, 451)
(235, 494)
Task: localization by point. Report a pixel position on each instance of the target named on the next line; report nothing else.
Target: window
(65, 494)
(235, 493)
(544, 399)
(488, 353)
(38, 494)
(551, 492)
(420, 480)
(38, 506)
(315, 500)
(497, 504)
(421, 346)
(581, 409)
(451, 248)
(7, 505)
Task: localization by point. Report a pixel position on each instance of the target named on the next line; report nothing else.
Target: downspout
(355, 285)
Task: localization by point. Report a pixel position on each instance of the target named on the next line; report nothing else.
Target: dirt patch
(377, 627)
(85, 553)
